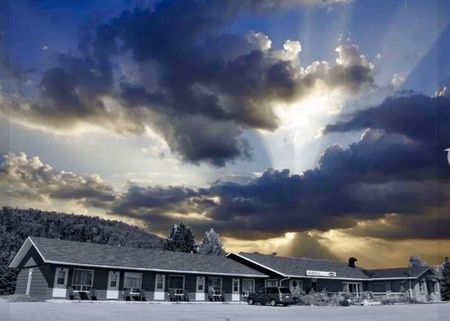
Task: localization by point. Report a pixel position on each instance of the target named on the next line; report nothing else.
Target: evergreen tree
(445, 284)
(181, 239)
(416, 260)
(211, 244)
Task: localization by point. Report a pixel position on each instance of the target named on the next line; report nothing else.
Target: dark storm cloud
(418, 117)
(196, 86)
(392, 169)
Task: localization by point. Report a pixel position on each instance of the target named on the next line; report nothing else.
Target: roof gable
(398, 273)
(99, 255)
(297, 267)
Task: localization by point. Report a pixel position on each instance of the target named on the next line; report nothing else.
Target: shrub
(318, 299)
(405, 300)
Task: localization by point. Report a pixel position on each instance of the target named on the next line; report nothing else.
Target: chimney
(351, 262)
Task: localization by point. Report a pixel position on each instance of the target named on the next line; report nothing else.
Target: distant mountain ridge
(17, 224)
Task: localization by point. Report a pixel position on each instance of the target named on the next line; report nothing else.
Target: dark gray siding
(22, 279)
(39, 282)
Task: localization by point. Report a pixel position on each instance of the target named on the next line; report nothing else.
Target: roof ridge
(295, 257)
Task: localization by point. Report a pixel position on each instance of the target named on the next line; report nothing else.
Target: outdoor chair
(83, 295)
(142, 296)
(126, 295)
(186, 295)
(93, 294)
(172, 296)
(70, 292)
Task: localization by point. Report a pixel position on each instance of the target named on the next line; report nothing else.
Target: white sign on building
(320, 273)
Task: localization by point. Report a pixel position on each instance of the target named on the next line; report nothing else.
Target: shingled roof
(297, 267)
(403, 272)
(99, 255)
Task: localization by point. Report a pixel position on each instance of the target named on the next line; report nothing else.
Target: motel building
(56, 269)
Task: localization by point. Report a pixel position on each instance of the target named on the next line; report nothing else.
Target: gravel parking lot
(113, 311)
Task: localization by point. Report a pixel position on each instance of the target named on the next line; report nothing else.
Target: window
(61, 277)
(271, 282)
(176, 282)
(132, 281)
(159, 281)
(379, 287)
(352, 287)
(215, 283)
(82, 279)
(236, 285)
(248, 286)
(113, 280)
(296, 287)
(200, 283)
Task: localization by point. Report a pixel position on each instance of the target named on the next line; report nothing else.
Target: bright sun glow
(305, 114)
(294, 144)
(289, 235)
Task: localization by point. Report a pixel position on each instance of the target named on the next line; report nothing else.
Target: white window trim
(131, 274)
(268, 280)
(162, 276)
(216, 277)
(299, 284)
(177, 275)
(359, 287)
(245, 292)
(202, 283)
(83, 286)
(117, 275)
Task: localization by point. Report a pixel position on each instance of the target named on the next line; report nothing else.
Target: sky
(309, 128)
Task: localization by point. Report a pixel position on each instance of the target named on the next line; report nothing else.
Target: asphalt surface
(131, 311)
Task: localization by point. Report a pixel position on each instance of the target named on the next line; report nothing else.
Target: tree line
(18, 224)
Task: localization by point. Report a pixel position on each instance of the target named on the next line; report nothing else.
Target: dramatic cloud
(29, 178)
(393, 180)
(398, 167)
(173, 70)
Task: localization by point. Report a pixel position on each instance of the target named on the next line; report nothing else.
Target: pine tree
(416, 260)
(445, 284)
(181, 239)
(211, 244)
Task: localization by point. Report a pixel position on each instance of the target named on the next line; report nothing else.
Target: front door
(200, 289)
(236, 291)
(60, 284)
(160, 285)
(296, 287)
(112, 291)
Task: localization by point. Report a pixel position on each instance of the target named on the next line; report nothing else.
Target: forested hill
(17, 224)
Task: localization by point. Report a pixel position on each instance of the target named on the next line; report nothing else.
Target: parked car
(272, 296)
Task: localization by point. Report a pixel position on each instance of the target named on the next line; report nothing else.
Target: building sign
(320, 273)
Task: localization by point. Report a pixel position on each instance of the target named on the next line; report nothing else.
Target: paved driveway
(116, 311)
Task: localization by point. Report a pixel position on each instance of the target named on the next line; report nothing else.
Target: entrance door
(112, 291)
(60, 284)
(296, 287)
(160, 285)
(236, 291)
(30, 275)
(200, 289)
